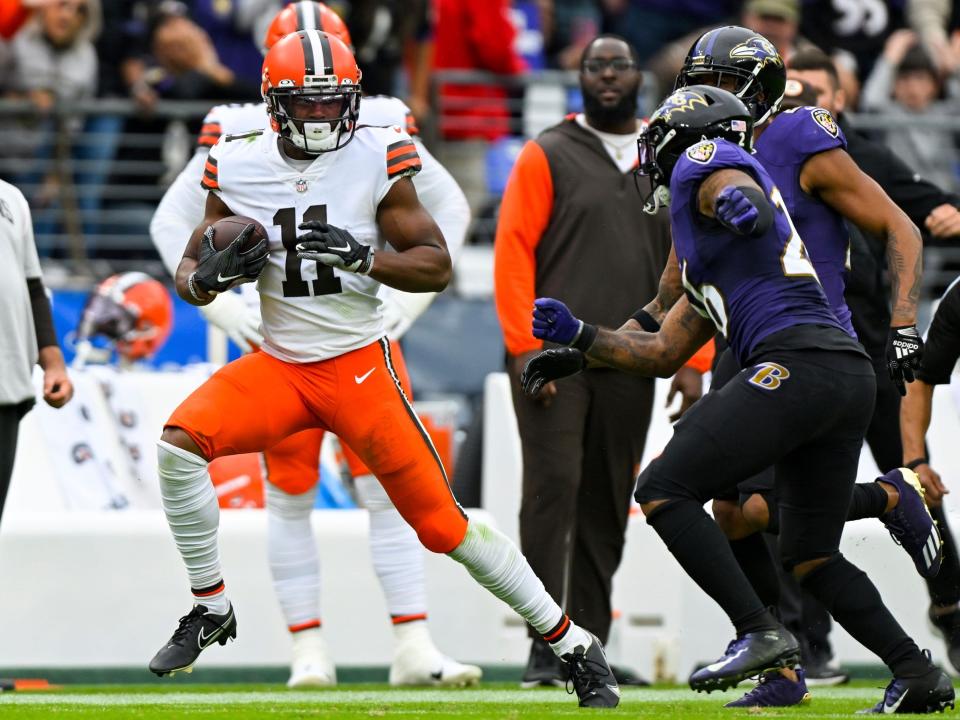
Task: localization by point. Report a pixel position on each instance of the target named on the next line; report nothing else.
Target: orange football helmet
(311, 84)
(305, 15)
(133, 311)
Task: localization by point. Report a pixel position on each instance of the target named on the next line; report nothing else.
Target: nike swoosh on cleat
(221, 278)
(614, 689)
(891, 709)
(719, 665)
(360, 378)
(202, 638)
(438, 675)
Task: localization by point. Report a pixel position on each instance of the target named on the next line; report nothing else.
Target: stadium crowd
(93, 171)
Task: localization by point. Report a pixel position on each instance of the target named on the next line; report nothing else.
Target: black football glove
(904, 352)
(219, 270)
(550, 365)
(333, 246)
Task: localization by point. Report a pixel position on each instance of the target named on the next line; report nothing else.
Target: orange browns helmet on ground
(305, 15)
(311, 84)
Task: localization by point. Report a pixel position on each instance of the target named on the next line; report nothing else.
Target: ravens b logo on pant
(769, 375)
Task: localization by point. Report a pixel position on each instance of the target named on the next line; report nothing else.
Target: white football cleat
(311, 665)
(417, 661)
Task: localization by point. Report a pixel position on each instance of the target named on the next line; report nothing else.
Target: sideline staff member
(26, 330)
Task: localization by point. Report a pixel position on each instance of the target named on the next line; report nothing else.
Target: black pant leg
(617, 422)
(10, 416)
(551, 439)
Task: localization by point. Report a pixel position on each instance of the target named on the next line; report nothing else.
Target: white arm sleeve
(179, 212)
(446, 203)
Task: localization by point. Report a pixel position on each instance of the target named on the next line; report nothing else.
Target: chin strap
(659, 198)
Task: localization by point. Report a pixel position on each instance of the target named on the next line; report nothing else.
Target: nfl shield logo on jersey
(301, 185)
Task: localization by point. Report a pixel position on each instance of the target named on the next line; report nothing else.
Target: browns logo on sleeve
(210, 179)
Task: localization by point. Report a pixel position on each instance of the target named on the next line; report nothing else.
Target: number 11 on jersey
(293, 283)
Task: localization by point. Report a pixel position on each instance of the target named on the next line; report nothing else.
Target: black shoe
(544, 668)
(198, 630)
(747, 656)
(591, 676)
(626, 676)
(948, 627)
(823, 674)
(929, 693)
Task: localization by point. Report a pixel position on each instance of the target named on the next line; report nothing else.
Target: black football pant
(10, 416)
(809, 427)
(580, 460)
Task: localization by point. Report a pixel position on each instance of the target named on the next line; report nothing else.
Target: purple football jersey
(782, 148)
(750, 287)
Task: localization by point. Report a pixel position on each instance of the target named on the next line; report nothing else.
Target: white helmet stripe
(317, 55)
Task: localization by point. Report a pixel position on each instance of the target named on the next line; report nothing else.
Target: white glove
(240, 321)
(401, 309)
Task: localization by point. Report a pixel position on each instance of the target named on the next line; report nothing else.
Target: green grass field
(497, 701)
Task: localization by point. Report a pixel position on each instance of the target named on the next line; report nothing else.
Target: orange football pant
(293, 464)
(257, 401)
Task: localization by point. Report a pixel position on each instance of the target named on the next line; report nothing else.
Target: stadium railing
(95, 170)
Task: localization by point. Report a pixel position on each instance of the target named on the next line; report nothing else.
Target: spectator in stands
(388, 34)
(857, 29)
(936, 21)
(53, 62)
(14, 13)
(236, 29)
(568, 27)
(190, 66)
(650, 24)
(905, 83)
(473, 35)
(54, 56)
(27, 335)
(572, 227)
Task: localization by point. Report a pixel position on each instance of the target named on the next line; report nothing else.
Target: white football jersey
(311, 311)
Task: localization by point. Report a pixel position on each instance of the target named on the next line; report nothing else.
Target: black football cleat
(929, 693)
(592, 678)
(198, 630)
(748, 656)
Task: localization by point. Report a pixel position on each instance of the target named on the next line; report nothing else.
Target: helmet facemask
(656, 166)
(315, 120)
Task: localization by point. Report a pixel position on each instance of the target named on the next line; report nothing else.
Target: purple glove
(736, 211)
(553, 321)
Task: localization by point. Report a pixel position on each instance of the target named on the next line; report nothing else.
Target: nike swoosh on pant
(360, 378)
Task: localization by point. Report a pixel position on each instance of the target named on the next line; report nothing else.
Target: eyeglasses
(595, 66)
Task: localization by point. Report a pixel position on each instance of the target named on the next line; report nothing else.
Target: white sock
(292, 553)
(498, 565)
(415, 632)
(193, 514)
(396, 552)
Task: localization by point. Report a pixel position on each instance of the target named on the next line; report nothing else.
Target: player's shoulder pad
(706, 157)
(806, 130)
(386, 110)
(230, 119)
(399, 152)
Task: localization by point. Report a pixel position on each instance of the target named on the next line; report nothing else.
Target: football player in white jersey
(292, 467)
(325, 361)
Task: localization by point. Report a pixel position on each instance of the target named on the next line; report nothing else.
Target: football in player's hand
(225, 231)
